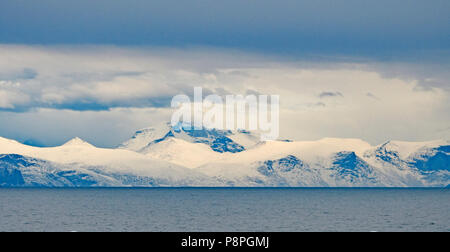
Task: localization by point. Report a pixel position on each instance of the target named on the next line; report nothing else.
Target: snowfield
(179, 156)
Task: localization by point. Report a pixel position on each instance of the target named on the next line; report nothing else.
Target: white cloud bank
(102, 94)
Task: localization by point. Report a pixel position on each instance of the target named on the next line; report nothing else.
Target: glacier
(166, 156)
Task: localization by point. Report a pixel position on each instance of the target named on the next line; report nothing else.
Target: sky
(99, 70)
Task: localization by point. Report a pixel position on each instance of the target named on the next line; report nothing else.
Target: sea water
(218, 209)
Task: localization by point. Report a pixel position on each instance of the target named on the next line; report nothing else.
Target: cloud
(19, 74)
(330, 94)
(369, 94)
(110, 91)
(11, 96)
(52, 127)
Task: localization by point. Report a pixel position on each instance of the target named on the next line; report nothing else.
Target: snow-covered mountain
(180, 156)
(218, 140)
(90, 166)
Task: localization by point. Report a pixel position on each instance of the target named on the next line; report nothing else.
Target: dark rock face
(14, 160)
(385, 155)
(352, 168)
(17, 170)
(218, 140)
(287, 164)
(22, 171)
(445, 149)
(436, 160)
(9, 174)
(10, 177)
(289, 171)
(224, 144)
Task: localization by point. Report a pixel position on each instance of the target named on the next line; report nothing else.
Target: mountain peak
(77, 142)
(145, 136)
(217, 140)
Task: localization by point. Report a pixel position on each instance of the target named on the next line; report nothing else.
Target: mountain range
(166, 156)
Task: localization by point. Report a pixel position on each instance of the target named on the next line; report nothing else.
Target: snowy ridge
(76, 155)
(218, 140)
(143, 137)
(179, 156)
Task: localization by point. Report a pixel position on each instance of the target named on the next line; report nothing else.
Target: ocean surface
(183, 209)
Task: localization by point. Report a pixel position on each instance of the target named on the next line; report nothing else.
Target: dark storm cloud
(358, 27)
